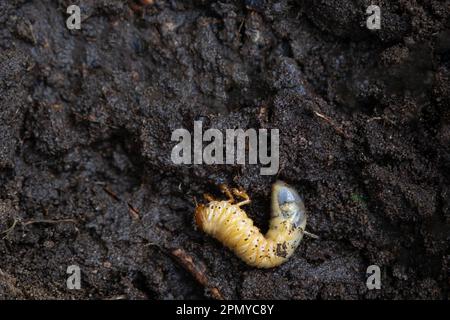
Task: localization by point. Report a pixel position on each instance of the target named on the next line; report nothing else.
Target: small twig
(331, 122)
(385, 119)
(49, 221)
(111, 193)
(134, 213)
(153, 244)
(311, 235)
(240, 26)
(196, 270)
(119, 297)
(374, 118)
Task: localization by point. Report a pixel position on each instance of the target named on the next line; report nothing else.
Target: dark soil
(86, 118)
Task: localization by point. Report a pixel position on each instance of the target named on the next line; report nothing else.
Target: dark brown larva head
(199, 215)
(287, 203)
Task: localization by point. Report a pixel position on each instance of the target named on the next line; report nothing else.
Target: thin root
(9, 230)
(26, 223)
(331, 122)
(311, 235)
(196, 270)
(132, 211)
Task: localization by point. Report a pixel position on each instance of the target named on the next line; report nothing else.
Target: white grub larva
(228, 223)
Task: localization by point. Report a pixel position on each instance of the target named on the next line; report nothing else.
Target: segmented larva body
(229, 224)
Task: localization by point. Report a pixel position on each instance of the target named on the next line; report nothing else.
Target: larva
(228, 223)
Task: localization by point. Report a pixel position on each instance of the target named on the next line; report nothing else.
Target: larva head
(287, 204)
(199, 215)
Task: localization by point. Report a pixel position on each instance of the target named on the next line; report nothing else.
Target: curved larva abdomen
(229, 224)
